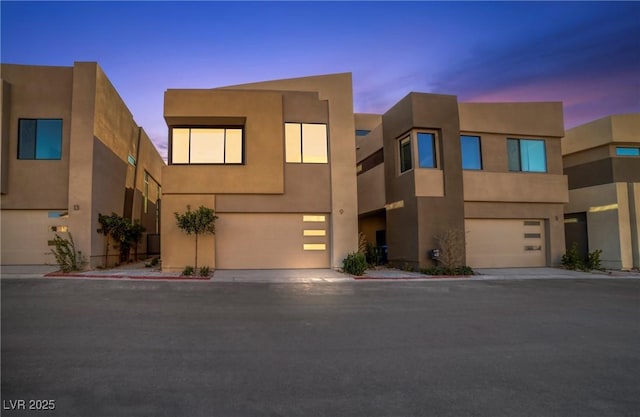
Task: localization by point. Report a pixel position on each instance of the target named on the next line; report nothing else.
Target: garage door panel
(495, 243)
(25, 236)
(270, 241)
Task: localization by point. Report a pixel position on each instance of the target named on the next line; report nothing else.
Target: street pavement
(536, 347)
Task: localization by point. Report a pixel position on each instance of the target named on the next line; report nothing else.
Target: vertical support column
(81, 157)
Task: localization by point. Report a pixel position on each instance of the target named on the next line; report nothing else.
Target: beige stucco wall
(338, 91)
(429, 182)
(366, 145)
(371, 192)
(515, 187)
(263, 171)
(180, 250)
(36, 92)
(622, 128)
(588, 155)
(609, 221)
(537, 119)
(308, 189)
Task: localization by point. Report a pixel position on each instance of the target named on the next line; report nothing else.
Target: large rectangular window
(471, 153)
(306, 143)
(527, 155)
(40, 139)
(426, 150)
(206, 145)
(405, 154)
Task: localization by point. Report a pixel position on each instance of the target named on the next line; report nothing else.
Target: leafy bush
(205, 271)
(354, 264)
(572, 259)
(374, 254)
(593, 260)
(152, 263)
(67, 257)
(187, 271)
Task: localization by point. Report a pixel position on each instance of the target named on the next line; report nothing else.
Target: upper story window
(306, 143)
(362, 132)
(205, 145)
(627, 151)
(405, 154)
(527, 155)
(471, 152)
(426, 150)
(40, 139)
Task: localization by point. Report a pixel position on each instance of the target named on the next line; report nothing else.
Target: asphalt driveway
(454, 348)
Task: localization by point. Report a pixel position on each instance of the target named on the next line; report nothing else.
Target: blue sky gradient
(586, 54)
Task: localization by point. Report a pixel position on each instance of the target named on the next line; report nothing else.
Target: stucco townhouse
(602, 161)
(491, 171)
(71, 150)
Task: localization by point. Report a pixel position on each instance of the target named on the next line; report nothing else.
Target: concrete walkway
(548, 273)
(139, 271)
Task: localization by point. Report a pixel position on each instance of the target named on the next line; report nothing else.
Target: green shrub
(372, 255)
(571, 259)
(187, 271)
(67, 257)
(205, 271)
(354, 264)
(593, 259)
(152, 263)
(441, 270)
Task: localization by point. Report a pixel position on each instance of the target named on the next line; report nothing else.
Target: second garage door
(272, 241)
(497, 243)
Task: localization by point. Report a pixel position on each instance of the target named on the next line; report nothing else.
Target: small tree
(134, 235)
(201, 221)
(107, 224)
(124, 232)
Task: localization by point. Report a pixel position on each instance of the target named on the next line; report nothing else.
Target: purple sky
(584, 54)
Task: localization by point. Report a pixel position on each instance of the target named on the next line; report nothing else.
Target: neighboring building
(602, 161)
(493, 170)
(70, 150)
(276, 160)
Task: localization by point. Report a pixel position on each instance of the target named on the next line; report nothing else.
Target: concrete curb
(126, 276)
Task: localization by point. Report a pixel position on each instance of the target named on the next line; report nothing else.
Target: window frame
(401, 142)
(35, 139)
(637, 148)
(301, 160)
(479, 140)
(519, 159)
(225, 128)
(434, 149)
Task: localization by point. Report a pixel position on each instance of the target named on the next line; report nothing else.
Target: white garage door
(272, 241)
(505, 243)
